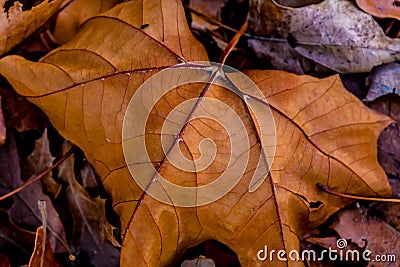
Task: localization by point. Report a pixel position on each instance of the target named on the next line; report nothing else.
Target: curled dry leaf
(17, 25)
(381, 8)
(19, 113)
(13, 238)
(384, 80)
(90, 227)
(39, 160)
(389, 140)
(390, 212)
(211, 9)
(334, 33)
(324, 135)
(42, 254)
(72, 17)
(86, 65)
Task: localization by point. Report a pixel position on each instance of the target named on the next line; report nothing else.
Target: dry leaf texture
(323, 135)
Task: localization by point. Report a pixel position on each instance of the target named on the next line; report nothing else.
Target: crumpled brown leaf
(390, 212)
(13, 238)
(39, 160)
(17, 25)
(134, 61)
(384, 80)
(19, 113)
(389, 140)
(24, 211)
(334, 33)
(369, 233)
(324, 134)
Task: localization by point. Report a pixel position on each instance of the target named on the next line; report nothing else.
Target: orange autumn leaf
(323, 135)
(381, 8)
(42, 254)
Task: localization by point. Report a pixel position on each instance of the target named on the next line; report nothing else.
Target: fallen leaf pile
(323, 135)
(345, 39)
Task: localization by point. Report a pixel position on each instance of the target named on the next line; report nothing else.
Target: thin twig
(38, 177)
(379, 199)
(232, 43)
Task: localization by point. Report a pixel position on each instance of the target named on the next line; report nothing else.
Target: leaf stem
(232, 43)
(379, 199)
(39, 176)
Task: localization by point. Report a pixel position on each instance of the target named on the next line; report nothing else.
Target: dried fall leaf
(378, 236)
(331, 242)
(207, 15)
(88, 178)
(42, 256)
(390, 212)
(389, 140)
(90, 227)
(281, 55)
(17, 25)
(275, 214)
(381, 8)
(210, 8)
(384, 80)
(19, 113)
(324, 135)
(140, 53)
(73, 16)
(24, 211)
(13, 238)
(39, 160)
(334, 33)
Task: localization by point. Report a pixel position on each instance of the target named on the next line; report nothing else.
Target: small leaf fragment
(42, 255)
(384, 80)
